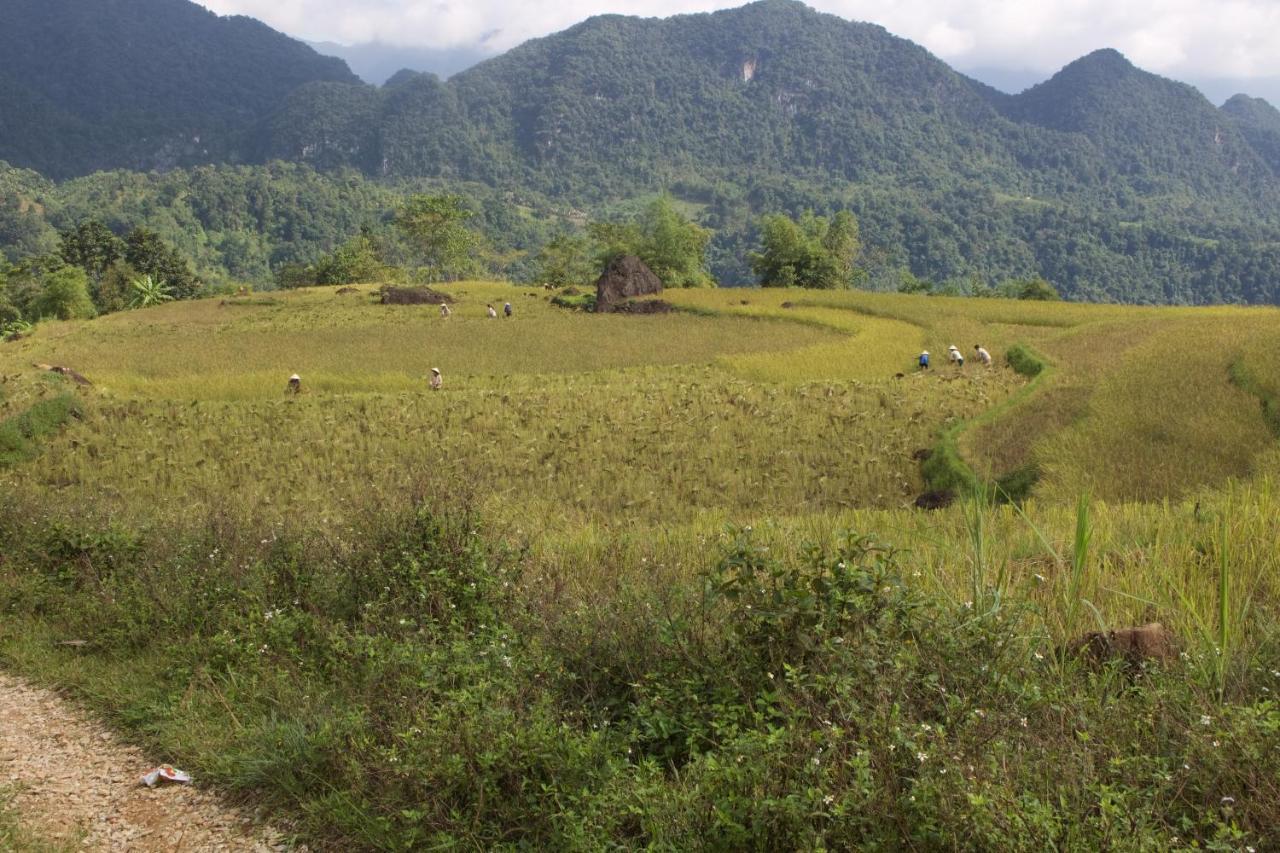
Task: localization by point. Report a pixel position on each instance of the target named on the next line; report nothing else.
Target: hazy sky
(1185, 39)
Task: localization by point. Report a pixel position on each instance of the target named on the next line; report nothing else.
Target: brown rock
(413, 296)
(625, 278)
(1152, 641)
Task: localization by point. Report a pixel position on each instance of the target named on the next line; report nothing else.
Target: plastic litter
(165, 773)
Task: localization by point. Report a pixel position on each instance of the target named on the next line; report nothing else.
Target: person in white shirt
(493, 314)
(954, 355)
(437, 382)
(983, 355)
(444, 310)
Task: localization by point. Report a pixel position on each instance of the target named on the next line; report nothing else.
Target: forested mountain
(1112, 182)
(94, 84)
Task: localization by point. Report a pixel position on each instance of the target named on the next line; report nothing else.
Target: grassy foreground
(599, 592)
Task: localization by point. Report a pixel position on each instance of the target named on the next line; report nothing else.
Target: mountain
(618, 105)
(1259, 123)
(141, 84)
(1113, 182)
(377, 62)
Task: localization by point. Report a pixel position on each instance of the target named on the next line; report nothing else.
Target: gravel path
(75, 783)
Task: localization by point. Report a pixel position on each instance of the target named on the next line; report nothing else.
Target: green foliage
(65, 296)
(812, 252)
(148, 253)
(670, 244)
(168, 84)
(21, 434)
(436, 226)
(1024, 360)
(92, 247)
(113, 291)
(147, 291)
(565, 261)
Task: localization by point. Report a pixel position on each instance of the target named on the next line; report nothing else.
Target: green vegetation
(1110, 183)
(599, 590)
(811, 253)
(669, 244)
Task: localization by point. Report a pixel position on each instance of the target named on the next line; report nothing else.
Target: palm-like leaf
(148, 291)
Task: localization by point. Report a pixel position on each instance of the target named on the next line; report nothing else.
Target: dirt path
(75, 784)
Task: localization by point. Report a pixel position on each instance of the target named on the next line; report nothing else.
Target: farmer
(506, 308)
(953, 353)
(924, 360)
(493, 315)
(295, 385)
(444, 310)
(983, 355)
(437, 381)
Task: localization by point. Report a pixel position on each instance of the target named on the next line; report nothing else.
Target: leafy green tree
(357, 260)
(150, 255)
(811, 252)
(92, 247)
(565, 260)
(113, 291)
(8, 311)
(436, 226)
(670, 244)
(148, 291)
(1038, 289)
(66, 295)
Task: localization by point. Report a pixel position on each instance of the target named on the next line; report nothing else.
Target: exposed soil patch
(74, 376)
(1152, 641)
(935, 500)
(75, 783)
(643, 306)
(413, 296)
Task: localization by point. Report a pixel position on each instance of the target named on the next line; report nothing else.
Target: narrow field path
(74, 784)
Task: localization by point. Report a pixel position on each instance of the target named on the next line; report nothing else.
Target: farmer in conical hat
(444, 309)
(295, 384)
(437, 381)
(953, 353)
(924, 360)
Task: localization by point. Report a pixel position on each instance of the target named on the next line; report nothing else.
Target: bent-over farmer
(924, 360)
(295, 384)
(983, 355)
(437, 381)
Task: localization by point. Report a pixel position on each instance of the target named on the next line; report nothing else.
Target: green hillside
(1111, 182)
(140, 84)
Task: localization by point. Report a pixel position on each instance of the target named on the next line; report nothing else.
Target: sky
(1211, 43)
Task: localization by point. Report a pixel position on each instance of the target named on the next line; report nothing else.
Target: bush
(1024, 360)
(66, 295)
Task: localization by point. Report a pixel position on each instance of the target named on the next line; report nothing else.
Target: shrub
(1024, 360)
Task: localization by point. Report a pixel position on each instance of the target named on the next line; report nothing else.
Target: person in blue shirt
(924, 360)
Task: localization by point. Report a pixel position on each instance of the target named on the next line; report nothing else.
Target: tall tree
(436, 226)
(669, 243)
(811, 252)
(92, 247)
(147, 253)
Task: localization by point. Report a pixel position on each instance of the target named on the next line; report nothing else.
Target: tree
(112, 292)
(1038, 289)
(147, 253)
(148, 291)
(565, 260)
(66, 295)
(92, 247)
(436, 225)
(670, 244)
(357, 260)
(811, 252)
(8, 311)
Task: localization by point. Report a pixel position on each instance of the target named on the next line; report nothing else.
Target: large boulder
(625, 278)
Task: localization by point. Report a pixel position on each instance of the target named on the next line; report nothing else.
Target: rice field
(612, 461)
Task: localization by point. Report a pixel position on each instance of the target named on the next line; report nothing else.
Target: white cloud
(1180, 38)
